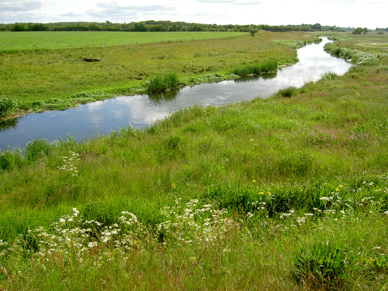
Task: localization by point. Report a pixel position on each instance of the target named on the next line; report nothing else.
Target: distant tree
(253, 31)
(38, 27)
(94, 27)
(358, 30)
(140, 26)
(152, 25)
(365, 30)
(19, 27)
(157, 27)
(317, 26)
(195, 27)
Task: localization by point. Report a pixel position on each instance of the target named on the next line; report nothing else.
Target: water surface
(102, 117)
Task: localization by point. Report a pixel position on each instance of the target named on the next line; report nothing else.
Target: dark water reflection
(101, 117)
(8, 124)
(163, 97)
(255, 78)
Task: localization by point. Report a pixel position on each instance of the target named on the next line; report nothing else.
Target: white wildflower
(92, 244)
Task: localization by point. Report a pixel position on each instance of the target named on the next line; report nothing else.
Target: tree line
(152, 25)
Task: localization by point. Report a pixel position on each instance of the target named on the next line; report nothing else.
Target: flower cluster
(189, 222)
(68, 164)
(73, 237)
(186, 223)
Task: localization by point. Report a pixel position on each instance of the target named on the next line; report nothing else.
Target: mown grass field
(57, 78)
(288, 193)
(22, 41)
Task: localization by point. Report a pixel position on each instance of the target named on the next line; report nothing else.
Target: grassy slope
(58, 78)
(299, 149)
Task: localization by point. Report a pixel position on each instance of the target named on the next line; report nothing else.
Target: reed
(7, 107)
(256, 69)
(288, 92)
(164, 83)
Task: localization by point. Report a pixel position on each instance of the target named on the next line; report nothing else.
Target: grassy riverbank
(288, 193)
(54, 77)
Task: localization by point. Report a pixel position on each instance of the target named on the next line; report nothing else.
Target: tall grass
(356, 56)
(266, 67)
(288, 92)
(7, 107)
(158, 84)
(288, 250)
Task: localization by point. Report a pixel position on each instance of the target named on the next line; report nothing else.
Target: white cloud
(20, 6)
(354, 13)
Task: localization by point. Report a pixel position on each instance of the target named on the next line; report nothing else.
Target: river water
(102, 117)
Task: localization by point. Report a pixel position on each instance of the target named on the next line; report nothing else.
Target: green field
(288, 193)
(77, 39)
(59, 78)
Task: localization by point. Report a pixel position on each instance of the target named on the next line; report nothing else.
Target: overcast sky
(344, 13)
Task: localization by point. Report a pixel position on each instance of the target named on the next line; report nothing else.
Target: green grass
(257, 69)
(159, 84)
(289, 92)
(59, 78)
(21, 41)
(276, 194)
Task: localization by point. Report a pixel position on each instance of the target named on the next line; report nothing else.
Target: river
(101, 117)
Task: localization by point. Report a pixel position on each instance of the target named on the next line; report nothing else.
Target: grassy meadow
(22, 41)
(54, 77)
(288, 193)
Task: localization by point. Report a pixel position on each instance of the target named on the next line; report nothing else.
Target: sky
(342, 13)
